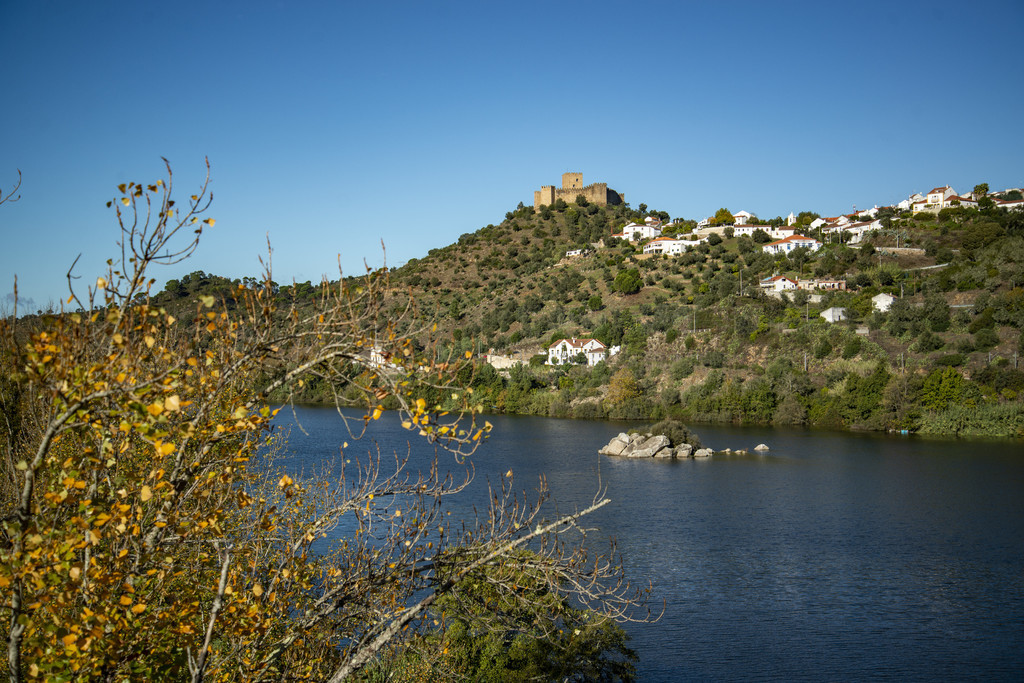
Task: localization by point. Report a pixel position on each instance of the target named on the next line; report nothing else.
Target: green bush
(985, 339)
(677, 432)
(851, 348)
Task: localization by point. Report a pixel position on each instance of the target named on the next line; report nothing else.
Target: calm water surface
(834, 557)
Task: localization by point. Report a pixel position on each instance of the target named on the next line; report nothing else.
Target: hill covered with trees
(700, 340)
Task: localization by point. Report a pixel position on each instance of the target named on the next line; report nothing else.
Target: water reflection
(835, 556)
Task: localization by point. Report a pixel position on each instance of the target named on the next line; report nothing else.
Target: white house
(779, 283)
(565, 350)
(665, 245)
(940, 198)
(965, 202)
(635, 232)
(882, 302)
(940, 194)
(834, 314)
(856, 230)
(784, 246)
(909, 202)
(1010, 204)
(791, 219)
(741, 218)
(750, 229)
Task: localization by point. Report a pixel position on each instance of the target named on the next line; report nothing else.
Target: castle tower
(572, 181)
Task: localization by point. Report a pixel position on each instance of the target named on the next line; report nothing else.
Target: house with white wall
(779, 283)
(834, 314)
(939, 198)
(882, 302)
(784, 246)
(750, 228)
(665, 245)
(637, 232)
(566, 350)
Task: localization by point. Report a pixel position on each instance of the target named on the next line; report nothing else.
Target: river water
(835, 556)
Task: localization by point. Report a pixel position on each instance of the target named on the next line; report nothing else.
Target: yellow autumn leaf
(172, 403)
(155, 409)
(126, 600)
(139, 608)
(145, 494)
(149, 341)
(166, 448)
(101, 283)
(377, 412)
(257, 590)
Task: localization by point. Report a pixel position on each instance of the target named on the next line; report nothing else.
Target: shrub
(851, 348)
(677, 432)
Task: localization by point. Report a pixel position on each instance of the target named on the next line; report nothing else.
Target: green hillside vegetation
(701, 341)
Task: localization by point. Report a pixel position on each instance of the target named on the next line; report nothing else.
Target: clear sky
(334, 126)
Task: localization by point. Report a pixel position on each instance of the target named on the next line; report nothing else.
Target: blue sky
(334, 126)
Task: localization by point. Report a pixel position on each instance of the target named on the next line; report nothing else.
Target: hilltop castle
(572, 187)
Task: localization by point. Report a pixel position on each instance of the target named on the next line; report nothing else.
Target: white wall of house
(665, 245)
(565, 350)
(882, 302)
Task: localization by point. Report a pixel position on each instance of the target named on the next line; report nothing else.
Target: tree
(980, 190)
(623, 390)
(628, 281)
(722, 217)
(146, 533)
(714, 239)
(523, 635)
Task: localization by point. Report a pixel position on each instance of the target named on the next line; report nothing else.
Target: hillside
(701, 340)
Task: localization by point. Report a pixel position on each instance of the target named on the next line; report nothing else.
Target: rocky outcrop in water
(650, 446)
(660, 446)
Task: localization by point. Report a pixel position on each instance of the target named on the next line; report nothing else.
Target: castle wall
(572, 187)
(545, 196)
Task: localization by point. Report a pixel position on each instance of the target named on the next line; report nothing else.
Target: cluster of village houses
(849, 229)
